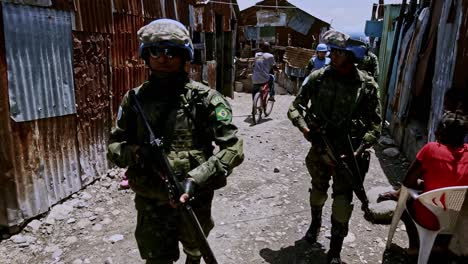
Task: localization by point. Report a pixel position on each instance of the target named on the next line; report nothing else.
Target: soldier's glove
(189, 186)
(144, 154)
(314, 137)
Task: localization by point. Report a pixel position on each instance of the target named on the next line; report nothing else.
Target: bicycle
(262, 104)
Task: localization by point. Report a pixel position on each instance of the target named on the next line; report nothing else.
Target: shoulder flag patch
(222, 113)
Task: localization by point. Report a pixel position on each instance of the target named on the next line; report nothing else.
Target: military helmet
(322, 47)
(338, 40)
(165, 32)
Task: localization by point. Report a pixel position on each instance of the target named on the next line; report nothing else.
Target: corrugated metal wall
(93, 16)
(127, 69)
(39, 157)
(386, 45)
(91, 53)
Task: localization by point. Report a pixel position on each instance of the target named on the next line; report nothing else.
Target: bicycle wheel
(268, 105)
(257, 108)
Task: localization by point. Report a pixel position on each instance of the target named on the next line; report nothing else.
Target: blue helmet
(338, 40)
(165, 32)
(322, 47)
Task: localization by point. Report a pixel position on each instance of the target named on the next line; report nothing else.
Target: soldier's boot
(315, 225)
(333, 255)
(192, 260)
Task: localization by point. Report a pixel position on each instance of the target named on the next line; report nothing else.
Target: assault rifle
(356, 179)
(174, 187)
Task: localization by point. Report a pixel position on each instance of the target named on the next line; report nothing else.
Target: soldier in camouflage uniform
(370, 64)
(345, 101)
(189, 116)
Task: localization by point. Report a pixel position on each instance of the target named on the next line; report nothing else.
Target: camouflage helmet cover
(165, 32)
(337, 40)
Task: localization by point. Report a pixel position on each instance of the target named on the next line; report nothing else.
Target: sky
(345, 15)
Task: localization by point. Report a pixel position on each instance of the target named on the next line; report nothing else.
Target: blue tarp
(373, 28)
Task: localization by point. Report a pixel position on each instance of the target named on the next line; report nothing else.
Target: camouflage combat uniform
(370, 64)
(347, 106)
(188, 124)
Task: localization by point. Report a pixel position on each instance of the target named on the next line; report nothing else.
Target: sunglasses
(169, 52)
(339, 52)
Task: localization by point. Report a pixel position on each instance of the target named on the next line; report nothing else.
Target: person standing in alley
(370, 64)
(320, 60)
(341, 103)
(189, 117)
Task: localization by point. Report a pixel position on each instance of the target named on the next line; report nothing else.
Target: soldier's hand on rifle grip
(189, 186)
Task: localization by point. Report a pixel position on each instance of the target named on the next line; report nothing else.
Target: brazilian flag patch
(222, 113)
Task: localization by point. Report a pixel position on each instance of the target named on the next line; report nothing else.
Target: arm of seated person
(414, 176)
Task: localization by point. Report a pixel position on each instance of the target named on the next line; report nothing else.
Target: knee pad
(342, 208)
(339, 229)
(317, 198)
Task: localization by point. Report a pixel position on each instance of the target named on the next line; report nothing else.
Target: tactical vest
(184, 127)
(349, 121)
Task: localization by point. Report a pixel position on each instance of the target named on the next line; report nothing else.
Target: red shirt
(443, 166)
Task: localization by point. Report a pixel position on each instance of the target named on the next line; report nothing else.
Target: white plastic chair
(444, 203)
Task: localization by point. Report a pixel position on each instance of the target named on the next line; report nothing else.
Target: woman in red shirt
(439, 164)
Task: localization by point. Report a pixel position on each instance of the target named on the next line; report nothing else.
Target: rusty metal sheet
(123, 79)
(152, 9)
(9, 206)
(170, 9)
(93, 16)
(63, 5)
(209, 73)
(130, 7)
(40, 83)
(198, 18)
(46, 165)
(451, 20)
(183, 12)
(38, 161)
(208, 20)
(195, 72)
(93, 102)
(124, 48)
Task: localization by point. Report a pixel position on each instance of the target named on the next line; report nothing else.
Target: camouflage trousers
(160, 228)
(321, 169)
